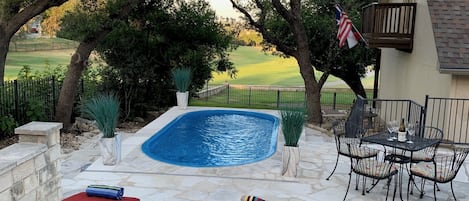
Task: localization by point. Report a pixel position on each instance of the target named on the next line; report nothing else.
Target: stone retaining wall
(212, 91)
(30, 169)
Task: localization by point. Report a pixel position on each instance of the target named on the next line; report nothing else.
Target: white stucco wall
(414, 75)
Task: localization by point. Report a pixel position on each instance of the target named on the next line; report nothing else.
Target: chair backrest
(447, 166)
(355, 119)
(431, 133)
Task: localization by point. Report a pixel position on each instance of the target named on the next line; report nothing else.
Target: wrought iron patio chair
(427, 154)
(369, 167)
(443, 168)
(342, 142)
(349, 132)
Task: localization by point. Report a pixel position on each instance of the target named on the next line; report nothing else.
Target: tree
(52, 17)
(141, 43)
(13, 15)
(306, 31)
(101, 17)
(141, 54)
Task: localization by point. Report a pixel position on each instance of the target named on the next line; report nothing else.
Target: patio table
(390, 140)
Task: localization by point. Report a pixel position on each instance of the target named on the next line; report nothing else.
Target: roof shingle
(450, 21)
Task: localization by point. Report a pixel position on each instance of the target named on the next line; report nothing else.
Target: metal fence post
(53, 96)
(249, 97)
(16, 95)
(334, 101)
(207, 92)
(278, 98)
(228, 96)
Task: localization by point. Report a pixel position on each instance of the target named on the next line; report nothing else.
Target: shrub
(7, 126)
(182, 78)
(104, 109)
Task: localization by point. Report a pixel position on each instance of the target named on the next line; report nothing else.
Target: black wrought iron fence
(450, 115)
(270, 97)
(379, 112)
(29, 99)
(35, 100)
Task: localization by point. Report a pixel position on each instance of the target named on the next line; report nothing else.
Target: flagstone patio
(152, 180)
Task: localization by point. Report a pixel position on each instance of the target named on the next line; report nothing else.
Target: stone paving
(152, 180)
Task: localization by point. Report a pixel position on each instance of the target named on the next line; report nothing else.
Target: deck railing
(389, 25)
(450, 115)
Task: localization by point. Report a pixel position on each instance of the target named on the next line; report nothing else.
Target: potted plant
(292, 127)
(182, 80)
(104, 109)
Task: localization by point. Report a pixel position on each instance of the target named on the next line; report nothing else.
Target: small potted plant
(292, 127)
(182, 80)
(104, 109)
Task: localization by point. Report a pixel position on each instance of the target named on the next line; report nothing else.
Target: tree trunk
(78, 64)
(4, 45)
(19, 16)
(356, 85)
(68, 91)
(313, 91)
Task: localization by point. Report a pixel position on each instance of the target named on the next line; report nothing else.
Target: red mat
(83, 197)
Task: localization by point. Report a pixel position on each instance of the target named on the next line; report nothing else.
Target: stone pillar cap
(38, 128)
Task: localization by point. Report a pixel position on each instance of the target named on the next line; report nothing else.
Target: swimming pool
(215, 138)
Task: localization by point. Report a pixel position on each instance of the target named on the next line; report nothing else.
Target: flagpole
(364, 40)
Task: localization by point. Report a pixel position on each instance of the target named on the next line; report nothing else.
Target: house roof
(450, 21)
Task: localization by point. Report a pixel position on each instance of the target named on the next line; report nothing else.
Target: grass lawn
(257, 68)
(254, 67)
(37, 60)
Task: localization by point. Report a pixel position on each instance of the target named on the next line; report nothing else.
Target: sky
(223, 8)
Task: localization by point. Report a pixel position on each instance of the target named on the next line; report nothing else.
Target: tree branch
(283, 11)
(37, 7)
(261, 28)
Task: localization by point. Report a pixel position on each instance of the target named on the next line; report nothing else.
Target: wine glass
(411, 131)
(392, 128)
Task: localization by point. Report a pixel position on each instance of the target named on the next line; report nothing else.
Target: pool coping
(135, 161)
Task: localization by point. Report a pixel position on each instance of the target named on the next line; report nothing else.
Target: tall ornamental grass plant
(104, 109)
(292, 125)
(181, 78)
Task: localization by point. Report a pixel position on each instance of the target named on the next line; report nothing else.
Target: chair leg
(452, 191)
(422, 188)
(408, 186)
(395, 188)
(364, 186)
(333, 170)
(434, 190)
(348, 186)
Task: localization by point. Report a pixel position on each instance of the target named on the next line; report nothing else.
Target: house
(424, 51)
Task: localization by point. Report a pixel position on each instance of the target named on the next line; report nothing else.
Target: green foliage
(25, 73)
(157, 37)
(292, 125)
(318, 19)
(181, 78)
(104, 109)
(35, 110)
(7, 125)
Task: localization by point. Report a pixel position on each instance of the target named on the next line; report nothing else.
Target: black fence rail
(29, 47)
(29, 99)
(270, 97)
(450, 115)
(379, 112)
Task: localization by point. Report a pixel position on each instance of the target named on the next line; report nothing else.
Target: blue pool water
(215, 138)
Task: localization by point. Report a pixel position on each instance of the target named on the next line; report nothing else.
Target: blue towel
(112, 192)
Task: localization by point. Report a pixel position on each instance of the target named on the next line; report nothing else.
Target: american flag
(345, 32)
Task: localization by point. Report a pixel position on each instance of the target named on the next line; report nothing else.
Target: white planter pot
(110, 150)
(290, 161)
(182, 99)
